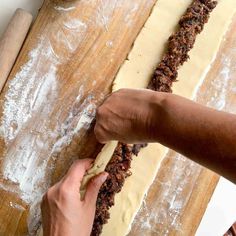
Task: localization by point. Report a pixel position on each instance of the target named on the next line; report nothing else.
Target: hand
(127, 116)
(63, 212)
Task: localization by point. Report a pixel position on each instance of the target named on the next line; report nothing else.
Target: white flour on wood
(28, 91)
(32, 91)
(129, 17)
(75, 24)
(105, 12)
(173, 196)
(63, 9)
(107, 8)
(32, 95)
(223, 85)
(70, 36)
(17, 206)
(75, 121)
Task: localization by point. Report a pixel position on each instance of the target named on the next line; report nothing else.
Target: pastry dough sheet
(136, 72)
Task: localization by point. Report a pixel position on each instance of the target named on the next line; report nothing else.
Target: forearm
(202, 134)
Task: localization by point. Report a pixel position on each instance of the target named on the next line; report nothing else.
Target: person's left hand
(63, 212)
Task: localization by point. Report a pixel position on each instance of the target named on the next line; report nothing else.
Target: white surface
(221, 211)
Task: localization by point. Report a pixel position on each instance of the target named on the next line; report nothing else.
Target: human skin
(63, 212)
(202, 134)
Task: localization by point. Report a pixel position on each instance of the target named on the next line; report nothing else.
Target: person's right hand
(63, 210)
(128, 116)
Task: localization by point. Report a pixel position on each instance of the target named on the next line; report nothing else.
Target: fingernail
(104, 176)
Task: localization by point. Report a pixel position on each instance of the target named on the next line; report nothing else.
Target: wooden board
(79, 47)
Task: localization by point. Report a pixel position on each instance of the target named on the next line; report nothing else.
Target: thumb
(94, 186)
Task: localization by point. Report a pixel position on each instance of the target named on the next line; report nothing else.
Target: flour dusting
(75, 24)
(16, 206)
(21, 100)
(222, 86)
(32, 91)
(78, 119)
(32, 96)
(160, 218)
(105, 12)
(129, 17)
(64, 9)
(71, 34)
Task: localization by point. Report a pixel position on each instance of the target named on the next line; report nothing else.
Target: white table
(221, 211)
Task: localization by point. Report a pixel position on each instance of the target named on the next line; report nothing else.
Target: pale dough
(135, 73)
(99, 166)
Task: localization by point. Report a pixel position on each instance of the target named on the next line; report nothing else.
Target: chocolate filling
(179, 44)
(118, 169)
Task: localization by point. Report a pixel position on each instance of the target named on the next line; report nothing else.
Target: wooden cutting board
(63, 73)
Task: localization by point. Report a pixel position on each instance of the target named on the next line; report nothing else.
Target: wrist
(158, 120)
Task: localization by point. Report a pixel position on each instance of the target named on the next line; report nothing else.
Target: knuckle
(49, 196)
(97, 130)
(99, 136)
(63, 190)
(47, 199)
(94, 183)
(99, 112)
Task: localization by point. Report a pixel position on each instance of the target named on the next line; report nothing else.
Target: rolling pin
(12, 41)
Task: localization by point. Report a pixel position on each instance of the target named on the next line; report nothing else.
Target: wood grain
(91, 62)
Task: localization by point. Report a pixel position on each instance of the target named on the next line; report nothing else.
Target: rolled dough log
(136, 72)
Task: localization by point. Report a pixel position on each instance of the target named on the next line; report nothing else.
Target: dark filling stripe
(179, 44)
